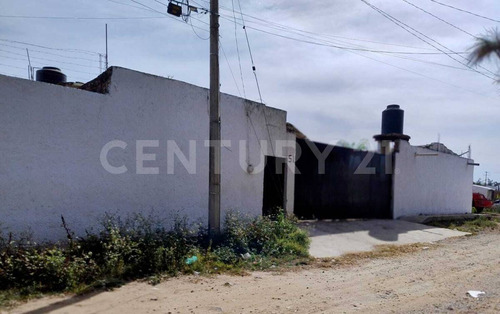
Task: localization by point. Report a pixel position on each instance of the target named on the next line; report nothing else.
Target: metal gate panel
(340, 192)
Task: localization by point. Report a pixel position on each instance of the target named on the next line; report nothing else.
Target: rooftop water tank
(392, 120)
(50, 75)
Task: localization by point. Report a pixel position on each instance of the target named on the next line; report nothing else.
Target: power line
(49, 53)
(406, 27)
(80, 18)
(197, 35)
(10, 74)
(230, 69)
(452, 25)
(51, 48)
(437, 17)
(147, 7)
(430, 62)
(389, 53)
(419, 74)
(51, 60)
(465, 11)
(161, 3)
(130, 5)
(168, 16)
(251, 58)
(351, 48)
(280, 188)
(238, 51)
(286, 28)
(338, 46)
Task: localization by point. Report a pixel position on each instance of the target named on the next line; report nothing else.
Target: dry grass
(380, 252)
(354, 259)
(484, 223)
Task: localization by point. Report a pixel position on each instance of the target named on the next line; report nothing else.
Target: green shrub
(269, 236)
(140, 246)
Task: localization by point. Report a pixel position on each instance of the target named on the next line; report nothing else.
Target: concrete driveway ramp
(335, 238)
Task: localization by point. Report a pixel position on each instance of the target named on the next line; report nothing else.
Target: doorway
(274, 185)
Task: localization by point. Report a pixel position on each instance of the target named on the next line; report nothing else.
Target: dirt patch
(410, 279)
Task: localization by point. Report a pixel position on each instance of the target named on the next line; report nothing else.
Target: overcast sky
(330, 93)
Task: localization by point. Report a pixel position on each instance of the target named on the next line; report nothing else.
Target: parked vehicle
(480, 202)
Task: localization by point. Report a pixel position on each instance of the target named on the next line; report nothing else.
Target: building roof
(439, 147)
(292, 129)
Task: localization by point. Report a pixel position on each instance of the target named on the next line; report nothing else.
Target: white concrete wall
(51, 138)
(431, 184)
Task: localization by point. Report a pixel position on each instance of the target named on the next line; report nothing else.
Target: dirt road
(432, 280)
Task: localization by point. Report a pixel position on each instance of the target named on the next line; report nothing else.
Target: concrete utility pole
(215, 130)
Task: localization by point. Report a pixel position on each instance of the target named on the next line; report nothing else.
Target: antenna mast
(106, 60)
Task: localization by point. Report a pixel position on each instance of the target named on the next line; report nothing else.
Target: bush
(141, 246)
(269, 236)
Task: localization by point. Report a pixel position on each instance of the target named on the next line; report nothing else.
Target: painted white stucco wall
(51, 138)
(430, 184)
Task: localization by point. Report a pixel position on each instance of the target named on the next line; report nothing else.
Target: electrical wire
(437, 17)
(419, 74)
(238, 51)
(283, 27)
(165, 14)
(465, 11)
(407, 28)
(48, 53)
(229, 65)
(131, 5)
(430, 62)
(62, 67)
(80, 18)
(50, 48)
(11, 66)
(51, 60)
(10, 74)
(275, 153)
(194, 31)
(299, 32)
(254, 69)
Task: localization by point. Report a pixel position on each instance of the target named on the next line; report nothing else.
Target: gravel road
(433, 280)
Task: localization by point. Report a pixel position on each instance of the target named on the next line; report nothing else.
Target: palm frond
(485, 47)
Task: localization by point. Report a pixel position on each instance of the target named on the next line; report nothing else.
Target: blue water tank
(392, 120)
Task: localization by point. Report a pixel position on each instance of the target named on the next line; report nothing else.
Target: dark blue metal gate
(344, 189)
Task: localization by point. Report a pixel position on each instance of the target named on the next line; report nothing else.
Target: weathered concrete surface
(334, 238)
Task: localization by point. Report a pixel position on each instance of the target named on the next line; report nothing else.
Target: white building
(428, 182)
(131, 142)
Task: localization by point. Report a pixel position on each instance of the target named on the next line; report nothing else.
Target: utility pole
(215, 130)
(486, 178)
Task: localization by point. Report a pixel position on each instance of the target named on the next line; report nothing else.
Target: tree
(363, 144)
(485, 47)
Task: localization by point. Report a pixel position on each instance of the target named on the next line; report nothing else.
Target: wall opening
(274, 185)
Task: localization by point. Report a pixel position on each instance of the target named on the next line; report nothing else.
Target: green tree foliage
(363, 144)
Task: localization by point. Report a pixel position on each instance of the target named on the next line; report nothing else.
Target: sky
(333, 65)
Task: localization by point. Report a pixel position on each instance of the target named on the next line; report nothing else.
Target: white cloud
(329, 93)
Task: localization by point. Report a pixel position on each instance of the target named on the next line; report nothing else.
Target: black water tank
(392, 120)
(50, 75)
